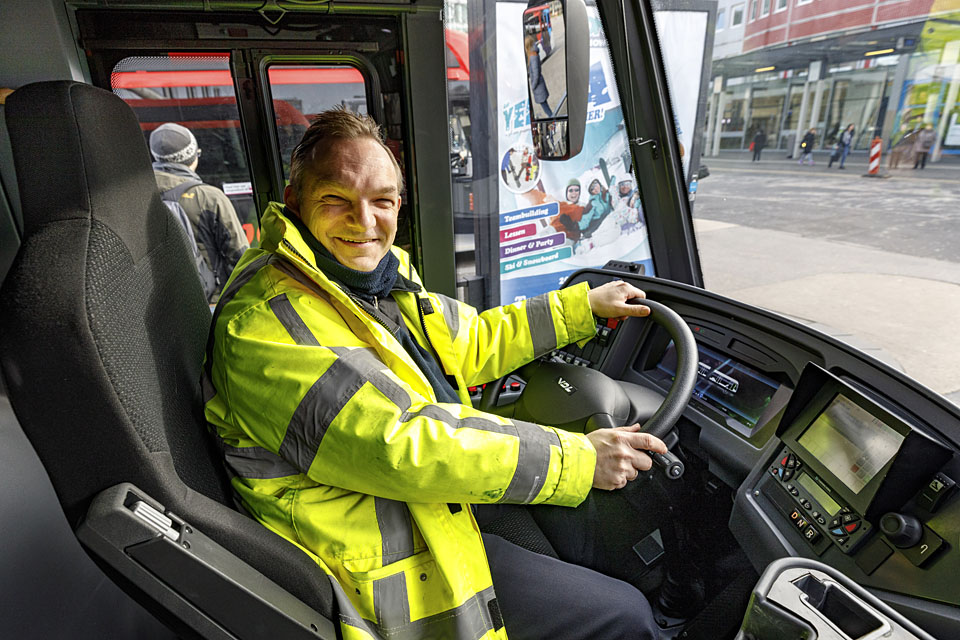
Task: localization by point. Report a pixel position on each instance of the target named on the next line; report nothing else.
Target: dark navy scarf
(365, 284)
(377, 285)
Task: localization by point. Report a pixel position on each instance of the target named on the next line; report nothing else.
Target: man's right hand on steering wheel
(609, 300)
(620, 455)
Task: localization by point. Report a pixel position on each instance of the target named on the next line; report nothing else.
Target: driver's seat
(104, 329)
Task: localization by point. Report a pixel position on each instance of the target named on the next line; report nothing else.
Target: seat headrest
(80, 153)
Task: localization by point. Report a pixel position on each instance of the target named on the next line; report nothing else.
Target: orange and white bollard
(873, 168)
(876, 149)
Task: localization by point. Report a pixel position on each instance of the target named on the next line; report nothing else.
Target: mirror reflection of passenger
(341, 387)
(538, 87)
(546, 31)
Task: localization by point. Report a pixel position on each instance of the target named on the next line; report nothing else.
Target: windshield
(831, 135)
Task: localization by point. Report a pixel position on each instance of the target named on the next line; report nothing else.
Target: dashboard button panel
(846, 528)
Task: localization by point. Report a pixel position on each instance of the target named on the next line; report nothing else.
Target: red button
(514, 386)
(851, 527)
(783, 462)
(612, 322)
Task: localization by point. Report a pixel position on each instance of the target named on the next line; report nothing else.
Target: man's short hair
(336, 123)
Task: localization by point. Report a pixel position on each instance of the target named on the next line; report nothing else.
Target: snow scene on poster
(560, 216)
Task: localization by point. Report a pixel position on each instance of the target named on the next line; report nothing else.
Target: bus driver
(339, 390)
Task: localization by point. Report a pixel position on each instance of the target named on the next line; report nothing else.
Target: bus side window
(195, 91)
(300, 92)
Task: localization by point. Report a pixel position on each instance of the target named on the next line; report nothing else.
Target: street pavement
(873, 261)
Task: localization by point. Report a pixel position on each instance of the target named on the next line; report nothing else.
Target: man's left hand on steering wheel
(610, 300)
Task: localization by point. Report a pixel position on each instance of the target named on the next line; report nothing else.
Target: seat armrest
(194, 584)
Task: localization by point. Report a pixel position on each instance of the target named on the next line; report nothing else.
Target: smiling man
(338, 387)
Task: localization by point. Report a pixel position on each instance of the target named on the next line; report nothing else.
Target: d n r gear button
(811, 534)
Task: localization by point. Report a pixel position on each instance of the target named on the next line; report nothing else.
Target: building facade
(887, 67)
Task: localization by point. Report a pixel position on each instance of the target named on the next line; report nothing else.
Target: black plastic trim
(211, 592)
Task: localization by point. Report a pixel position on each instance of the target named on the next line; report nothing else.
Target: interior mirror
(556, 49)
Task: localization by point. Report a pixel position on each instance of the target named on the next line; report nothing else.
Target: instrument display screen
(734, 393)
(850, 442)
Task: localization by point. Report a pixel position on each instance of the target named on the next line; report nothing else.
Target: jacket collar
(279, 235)
(175, 169)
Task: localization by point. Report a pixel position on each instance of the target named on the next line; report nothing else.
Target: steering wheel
(582, 399)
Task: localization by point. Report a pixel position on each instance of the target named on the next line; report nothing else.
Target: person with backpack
(219, 237)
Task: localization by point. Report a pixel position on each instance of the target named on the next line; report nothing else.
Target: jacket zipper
(426, 334)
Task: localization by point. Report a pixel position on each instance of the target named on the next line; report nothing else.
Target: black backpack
(171, 198)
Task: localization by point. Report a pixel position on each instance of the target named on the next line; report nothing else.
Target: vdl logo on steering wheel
(566, 386)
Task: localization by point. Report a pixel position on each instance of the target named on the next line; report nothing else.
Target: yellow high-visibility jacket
(338, 443)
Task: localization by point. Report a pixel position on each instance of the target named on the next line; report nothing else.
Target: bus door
(245, 93)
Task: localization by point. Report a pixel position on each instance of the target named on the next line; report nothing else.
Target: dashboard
(832, 456)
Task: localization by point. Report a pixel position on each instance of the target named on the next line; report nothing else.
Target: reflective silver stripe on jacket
(534, 458)
(542, 332)
(532, 464)
(396, 529)
(354, 367)
(257, 463)
(292, 322)
(469, 621)
(451, 313)
(390, 602)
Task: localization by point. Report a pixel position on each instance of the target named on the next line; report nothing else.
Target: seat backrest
(105, 326)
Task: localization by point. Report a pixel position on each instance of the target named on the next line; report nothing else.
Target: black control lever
(668, 462)
(671, 464)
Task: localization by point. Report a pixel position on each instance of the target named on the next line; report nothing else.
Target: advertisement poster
(560, 216)
(681, 35)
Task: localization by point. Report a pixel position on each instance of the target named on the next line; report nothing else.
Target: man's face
(573, 193)
(349, 200)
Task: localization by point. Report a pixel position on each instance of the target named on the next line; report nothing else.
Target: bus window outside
(834, 168)
(300, 92)
(196, 92)
(523, 225)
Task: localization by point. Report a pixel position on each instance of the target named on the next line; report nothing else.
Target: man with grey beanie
(220, 238)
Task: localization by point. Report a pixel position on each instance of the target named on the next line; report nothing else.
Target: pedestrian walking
(843, 146)
(922, 144)
(806, 146)
(759, 142)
